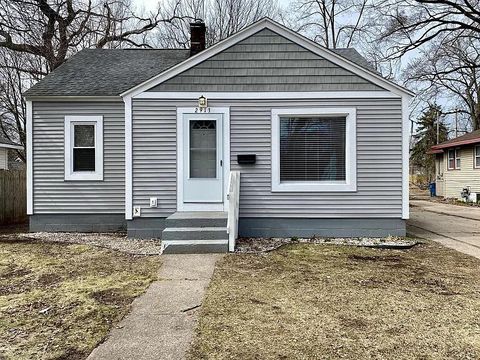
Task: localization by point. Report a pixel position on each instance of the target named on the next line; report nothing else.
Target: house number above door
(202, 110)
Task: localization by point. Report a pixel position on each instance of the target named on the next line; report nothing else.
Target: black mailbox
(246, 159)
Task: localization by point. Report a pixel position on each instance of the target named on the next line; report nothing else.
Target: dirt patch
(306, 301)
(355, 323)
(72, 354)
(435, 285)
(379, 258)
(112, 296)
(14, 271)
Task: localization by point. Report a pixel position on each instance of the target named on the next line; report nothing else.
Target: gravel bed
(114, 241)
(264, 245)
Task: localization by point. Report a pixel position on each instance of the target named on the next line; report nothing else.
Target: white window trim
(84, 175)
(350, 183)
(475, 156)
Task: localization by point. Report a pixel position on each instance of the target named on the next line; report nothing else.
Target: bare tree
(410, 24)
(222, 18)
(332, 23)
(37, 36)
(54, 29)
(450, 70)
(12, 103)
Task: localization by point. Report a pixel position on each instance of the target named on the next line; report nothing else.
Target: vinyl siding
(154, 157)
(379, 159)
(3, 158)
(467, 175)
(51, 193)
(266, 61)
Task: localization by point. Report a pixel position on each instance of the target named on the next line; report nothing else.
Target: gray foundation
(145, 228)
(287, 227)
(142, 228)
(78, 222)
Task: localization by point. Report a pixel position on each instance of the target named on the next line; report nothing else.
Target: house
(147, 140)
(457, 165)
(5, 147)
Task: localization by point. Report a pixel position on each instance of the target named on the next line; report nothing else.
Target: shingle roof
(470, 138)
(106, 72)
(4, 141)
(354, 56)
(110, 72)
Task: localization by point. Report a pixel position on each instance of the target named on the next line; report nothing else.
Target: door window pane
(203, 149)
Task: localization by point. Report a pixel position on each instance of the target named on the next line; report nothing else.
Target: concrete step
(184, 219)
(194, 246)
(195, 233)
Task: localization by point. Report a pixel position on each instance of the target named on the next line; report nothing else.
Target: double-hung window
(314, 149)
(454, 162)
(83, 148)
(477, 156)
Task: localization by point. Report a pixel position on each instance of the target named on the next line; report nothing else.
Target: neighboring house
(6, 146)
(457, 165)
(147, 140)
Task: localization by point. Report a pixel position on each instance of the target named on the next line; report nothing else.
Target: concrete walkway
(466, 212)
(162, 321)
(454, 226)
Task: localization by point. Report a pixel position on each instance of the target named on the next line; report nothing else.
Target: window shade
(312, 148)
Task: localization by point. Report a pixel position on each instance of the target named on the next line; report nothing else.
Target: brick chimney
(197, 37)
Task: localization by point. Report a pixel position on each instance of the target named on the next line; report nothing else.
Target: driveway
(455, 226)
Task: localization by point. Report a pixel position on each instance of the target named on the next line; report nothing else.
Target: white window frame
(475, 156)
(456, 158)
(70, 122)
(350, 182)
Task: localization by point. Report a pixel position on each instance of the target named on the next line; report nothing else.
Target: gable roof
(106, 72)
(119, 72)
(266, 23)
(467, 139)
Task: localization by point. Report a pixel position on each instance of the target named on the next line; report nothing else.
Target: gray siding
(51, 193)
(266, 61)
(154, 157)
(379, 159)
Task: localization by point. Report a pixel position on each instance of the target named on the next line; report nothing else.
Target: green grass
(59, 301)
(338, 302)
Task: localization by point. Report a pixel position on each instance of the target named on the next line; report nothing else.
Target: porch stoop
(194, 232)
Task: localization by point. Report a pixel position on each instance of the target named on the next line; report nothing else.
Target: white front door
(203, 159)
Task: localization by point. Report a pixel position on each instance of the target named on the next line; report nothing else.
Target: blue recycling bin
(433, 189)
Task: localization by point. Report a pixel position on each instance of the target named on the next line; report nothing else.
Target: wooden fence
(13, 197)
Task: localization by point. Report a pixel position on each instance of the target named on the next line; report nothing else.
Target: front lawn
(329, 302)
(58, 301)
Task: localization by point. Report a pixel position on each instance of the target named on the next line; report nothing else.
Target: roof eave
(11, 146)
(457, 143)
(72, 98)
